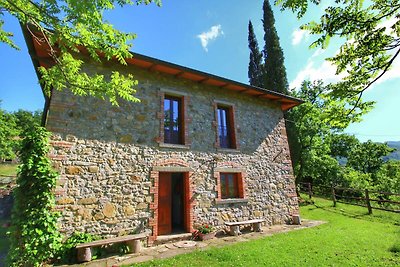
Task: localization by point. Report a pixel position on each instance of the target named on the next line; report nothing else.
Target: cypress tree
(256, 70)
(275, 72)
(275, 78)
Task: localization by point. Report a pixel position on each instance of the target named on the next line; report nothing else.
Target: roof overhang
(39, 52)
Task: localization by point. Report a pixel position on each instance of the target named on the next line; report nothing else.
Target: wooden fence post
(333, 196)
(368, 201)
(309, 190)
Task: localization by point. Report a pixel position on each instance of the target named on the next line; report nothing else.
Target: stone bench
(84, 252)
(234, 226)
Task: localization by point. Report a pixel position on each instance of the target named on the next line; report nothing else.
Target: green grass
(8, 169)
(350, 238)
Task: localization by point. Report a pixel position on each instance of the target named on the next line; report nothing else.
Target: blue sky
(211, 36)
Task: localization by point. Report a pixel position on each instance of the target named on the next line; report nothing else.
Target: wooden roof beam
(262, 94)
(244, 91)
(152, 67)
(203, 80)
(179, 74)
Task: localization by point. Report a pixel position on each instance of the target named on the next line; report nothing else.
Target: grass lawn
(350, 238)
(8, 169)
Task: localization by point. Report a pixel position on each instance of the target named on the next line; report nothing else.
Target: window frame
(239, 173)
(224, 124)
(184, 119)
(230, 125)
(225, 181)
(180, 116)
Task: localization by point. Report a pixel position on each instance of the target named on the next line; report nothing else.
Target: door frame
(167, 177)
(188, 195)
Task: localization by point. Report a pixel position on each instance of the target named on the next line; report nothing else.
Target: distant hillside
(396, 154)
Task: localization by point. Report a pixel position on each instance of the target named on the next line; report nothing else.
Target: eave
(40, 57)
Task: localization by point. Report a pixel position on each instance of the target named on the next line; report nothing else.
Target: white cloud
(392, 73)
(212, 34)
(325, 71)
(318, 52)
(298, 35)
(387, 24)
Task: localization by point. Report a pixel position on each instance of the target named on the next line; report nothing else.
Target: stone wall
(106, 155)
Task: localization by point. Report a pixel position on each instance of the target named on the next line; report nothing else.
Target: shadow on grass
(357, 213)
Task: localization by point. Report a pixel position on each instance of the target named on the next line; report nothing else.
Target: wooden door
(164, 204)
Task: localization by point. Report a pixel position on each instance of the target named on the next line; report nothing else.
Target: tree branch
(389, 63)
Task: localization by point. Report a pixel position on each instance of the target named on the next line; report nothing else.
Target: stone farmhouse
(197, 149)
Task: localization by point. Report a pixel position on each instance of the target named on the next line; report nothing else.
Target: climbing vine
(34, 234)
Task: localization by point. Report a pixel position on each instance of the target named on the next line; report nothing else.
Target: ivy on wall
(34, 234)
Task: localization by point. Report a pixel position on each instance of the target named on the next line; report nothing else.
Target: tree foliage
(266, 68)
(370, 31)
(364, 165)
(367, 157)
(34, 234)
(341, 144)
(27, 119)
(256, 66)
(12, 124)
(388, 177)
(324, 155)
(8, 134)
(68, 25)
(314, 126)
(275, 72)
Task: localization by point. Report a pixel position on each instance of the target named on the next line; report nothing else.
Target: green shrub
(67, 253)
(395, 248)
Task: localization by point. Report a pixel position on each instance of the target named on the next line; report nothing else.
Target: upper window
(173, 120)
(229, 185)
(226, 133)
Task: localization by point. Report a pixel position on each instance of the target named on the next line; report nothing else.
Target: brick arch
(171, 162)
(229, 164)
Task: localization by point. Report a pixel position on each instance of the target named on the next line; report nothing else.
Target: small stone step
(166, 239)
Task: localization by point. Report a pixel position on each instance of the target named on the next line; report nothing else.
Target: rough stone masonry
(106, 157)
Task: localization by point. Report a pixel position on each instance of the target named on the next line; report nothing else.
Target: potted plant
(204, 232)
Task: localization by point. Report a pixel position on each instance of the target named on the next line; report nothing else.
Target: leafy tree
(370, 31)
(8, 135)
(367, 157)
(388, 177)
(275, 72)
(34, 234)
(341, 145)
(27, 119)
(314, 124)
(12, 124)
(256, 69)
(66, 25)
(352, 178)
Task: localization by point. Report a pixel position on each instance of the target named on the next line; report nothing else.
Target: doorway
(171, 203)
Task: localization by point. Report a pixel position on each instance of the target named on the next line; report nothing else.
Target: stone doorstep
(170, 250)
(164, 239)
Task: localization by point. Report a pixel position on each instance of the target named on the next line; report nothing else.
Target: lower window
(229, 185)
